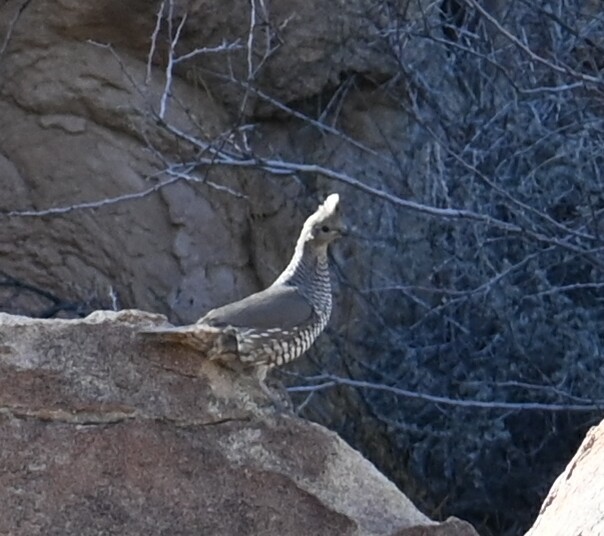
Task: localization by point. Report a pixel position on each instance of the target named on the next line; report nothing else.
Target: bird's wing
(278, 307)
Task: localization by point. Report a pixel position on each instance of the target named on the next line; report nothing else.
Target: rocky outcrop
(574, 504)
(77, 131)
(101, 433)
(80, 101)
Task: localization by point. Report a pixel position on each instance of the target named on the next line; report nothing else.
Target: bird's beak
(344, 230)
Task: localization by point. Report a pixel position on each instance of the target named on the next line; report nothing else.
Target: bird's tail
(212, 342)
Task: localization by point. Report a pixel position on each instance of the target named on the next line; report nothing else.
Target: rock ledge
(101, 433)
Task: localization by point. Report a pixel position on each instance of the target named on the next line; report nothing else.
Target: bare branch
(55, 211)
(154, 36)
(171, 55)
(334, 381)
(568, 288)
(224, 47)
(250, 41)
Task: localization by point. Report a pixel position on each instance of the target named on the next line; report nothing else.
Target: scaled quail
(278, 324)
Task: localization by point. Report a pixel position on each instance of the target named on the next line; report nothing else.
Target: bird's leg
(261, 372)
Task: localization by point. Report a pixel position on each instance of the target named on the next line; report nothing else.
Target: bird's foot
(280, 399)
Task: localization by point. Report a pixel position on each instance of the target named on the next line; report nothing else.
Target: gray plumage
(280, 323)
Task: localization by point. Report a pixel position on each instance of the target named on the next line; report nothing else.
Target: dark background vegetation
(464, 356)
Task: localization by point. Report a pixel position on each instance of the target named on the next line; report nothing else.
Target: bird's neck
(308, 267)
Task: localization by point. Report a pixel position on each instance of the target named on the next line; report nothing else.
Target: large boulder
(103, 433)
(574, 504)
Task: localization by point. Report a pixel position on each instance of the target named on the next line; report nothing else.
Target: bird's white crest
(323, 212)
(330, 204)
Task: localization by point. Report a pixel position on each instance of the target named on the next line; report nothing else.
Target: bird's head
(325, 225)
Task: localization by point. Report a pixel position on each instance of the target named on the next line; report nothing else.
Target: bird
(278, 324)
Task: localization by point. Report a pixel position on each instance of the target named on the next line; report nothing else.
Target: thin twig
(250, 41)
(92, 204)
(170, 64)
(11, 26)
(224, 47)
(158, 17)
(334, 381)
(566, 288)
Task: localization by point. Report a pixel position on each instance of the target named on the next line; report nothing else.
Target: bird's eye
(325, 229)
